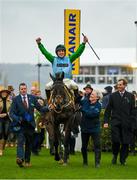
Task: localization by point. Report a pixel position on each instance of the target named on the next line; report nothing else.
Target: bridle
(70, 101)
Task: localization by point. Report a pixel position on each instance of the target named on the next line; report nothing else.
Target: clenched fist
(38, 40)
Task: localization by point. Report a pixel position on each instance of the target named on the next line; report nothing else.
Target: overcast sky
(107, 23)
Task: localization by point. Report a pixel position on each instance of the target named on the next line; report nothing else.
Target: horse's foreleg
(61, 149)
(57, 157)
(66, 146)
(56, 144)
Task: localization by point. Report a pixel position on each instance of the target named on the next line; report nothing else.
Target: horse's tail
(48, 121)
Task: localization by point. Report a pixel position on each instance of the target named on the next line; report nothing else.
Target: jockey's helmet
(60, 47)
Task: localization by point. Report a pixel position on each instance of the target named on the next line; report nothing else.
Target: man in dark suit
(121, 110)
(22, 115)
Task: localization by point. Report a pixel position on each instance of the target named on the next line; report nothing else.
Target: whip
(92, 48)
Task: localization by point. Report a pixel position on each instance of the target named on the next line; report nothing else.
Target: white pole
(135, 70)
(136, 40)
(47, 140)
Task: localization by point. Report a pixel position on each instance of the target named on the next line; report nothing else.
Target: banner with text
(72, 34)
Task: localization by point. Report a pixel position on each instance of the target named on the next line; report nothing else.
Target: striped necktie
(25, 102)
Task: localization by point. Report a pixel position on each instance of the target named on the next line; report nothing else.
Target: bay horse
(63, 111)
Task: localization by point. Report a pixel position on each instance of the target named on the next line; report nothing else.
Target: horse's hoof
(61, 161)
(57, 159)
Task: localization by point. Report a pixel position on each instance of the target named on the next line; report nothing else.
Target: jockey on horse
(62, 63)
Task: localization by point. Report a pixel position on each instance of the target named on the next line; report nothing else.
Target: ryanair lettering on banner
(72, 34)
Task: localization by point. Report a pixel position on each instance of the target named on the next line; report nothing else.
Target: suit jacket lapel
(125, 94)
(29, 100)
(20, 100)
(118, 94)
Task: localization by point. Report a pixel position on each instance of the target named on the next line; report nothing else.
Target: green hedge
(105, 134)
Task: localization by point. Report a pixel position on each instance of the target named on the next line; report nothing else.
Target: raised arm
(48, 55)
(79, 51)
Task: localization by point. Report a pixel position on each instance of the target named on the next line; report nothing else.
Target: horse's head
(60, 93)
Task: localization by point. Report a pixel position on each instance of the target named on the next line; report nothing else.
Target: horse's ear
(52, 77)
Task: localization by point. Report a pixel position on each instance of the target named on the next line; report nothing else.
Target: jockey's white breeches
(68, 82)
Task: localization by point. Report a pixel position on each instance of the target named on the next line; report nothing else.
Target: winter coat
(90, 116)
(121, 113)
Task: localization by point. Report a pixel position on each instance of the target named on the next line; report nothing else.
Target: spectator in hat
(11, 141)
(11, 89)
(87, 91)
(105, 99)
(5, 103)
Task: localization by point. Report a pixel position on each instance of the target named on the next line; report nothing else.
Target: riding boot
(1, 147)
(47, 94)
(57, 157)
(97, 158)
(76, 94)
